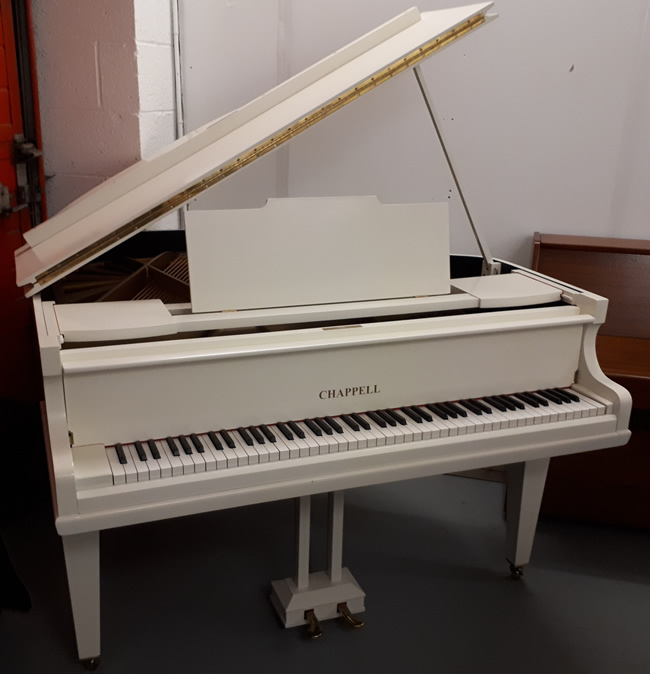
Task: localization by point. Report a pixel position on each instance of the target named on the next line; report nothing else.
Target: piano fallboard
(179, 386)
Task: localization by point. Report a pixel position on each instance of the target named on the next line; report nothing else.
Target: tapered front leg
(82, 565)
(525, 489)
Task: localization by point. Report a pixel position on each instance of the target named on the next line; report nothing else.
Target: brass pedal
(314, 630)
(348, 617)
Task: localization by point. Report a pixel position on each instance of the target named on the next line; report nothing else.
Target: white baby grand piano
(336, 368)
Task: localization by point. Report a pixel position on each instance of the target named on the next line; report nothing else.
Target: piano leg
(311, 597)
(525, 489)
(82, 564)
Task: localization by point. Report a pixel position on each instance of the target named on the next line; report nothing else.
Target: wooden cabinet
(612, 485)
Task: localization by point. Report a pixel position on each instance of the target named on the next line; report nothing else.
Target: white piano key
(479, 421)
(594, 407)
(317, 444)
(415, 429)
(262, 450)
(458, 422)
(153, 465)
(240, 450)
(231, 454)
(251, 452)
(380, 438)
(332, 442)
(185, 459)
(386, 432)
(129, 467)
(275, 447)
(119, 476)
(174, 461)
(287, 449)
(208, 453)
(220, 458)
(446, 427)
(560, 410)
(536, 414)
(518, 415)
(359, 436)
(350, 439)
(141, 467)
(502, 419)
(164, 463)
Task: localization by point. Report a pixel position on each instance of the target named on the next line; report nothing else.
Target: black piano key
(323, 425)
(257, 435)
(397, 416)
(456, 408)
(120, 453)
(268, 433)
(412, 414)
(296, 429)
(509, 405)
(425, 415)
(513, 401)
(528, 399)
(350, 422)
(227, 439)
(377, 419)
(185, 444)
(197, 443)
(142, 455)
(482, 406)
(559, 392)
(153, 448)
(387, 418)
(572, 396)
(334, 424)
(285, 431)
(450, 411)
(550, 396)
(497, 404)
(471, 406)
(438, 411)
(361, 421)
(313, 428)
(215, 440)
(245, 437)
(172, 446)
(542, 401)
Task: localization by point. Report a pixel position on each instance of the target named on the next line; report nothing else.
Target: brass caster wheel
(351, 620)
(90, 664)
(516, 572)
(314, 630)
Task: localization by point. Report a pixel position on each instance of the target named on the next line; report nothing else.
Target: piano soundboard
(186, 379)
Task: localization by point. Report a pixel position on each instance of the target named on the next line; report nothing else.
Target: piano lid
(123, 205)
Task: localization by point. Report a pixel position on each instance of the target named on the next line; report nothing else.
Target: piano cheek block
(91, 467)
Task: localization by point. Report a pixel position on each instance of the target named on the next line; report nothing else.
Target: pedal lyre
(314, 630)
(348, 617)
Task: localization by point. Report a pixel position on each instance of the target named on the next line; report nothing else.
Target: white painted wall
(545, 111)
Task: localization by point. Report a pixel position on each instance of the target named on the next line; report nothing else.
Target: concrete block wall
(106, 88)
(88, 89)
(155, 57)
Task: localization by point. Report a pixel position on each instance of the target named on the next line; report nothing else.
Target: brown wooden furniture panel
(611, 485)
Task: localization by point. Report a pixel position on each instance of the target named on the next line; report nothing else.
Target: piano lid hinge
(71, 438)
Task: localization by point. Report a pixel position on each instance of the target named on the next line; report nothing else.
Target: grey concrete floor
(191, 595)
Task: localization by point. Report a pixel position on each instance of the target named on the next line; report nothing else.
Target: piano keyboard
(145, 460)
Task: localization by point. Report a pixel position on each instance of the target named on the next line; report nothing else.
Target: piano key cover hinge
(71, 438)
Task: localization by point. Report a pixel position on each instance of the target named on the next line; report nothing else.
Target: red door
(19, 365)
